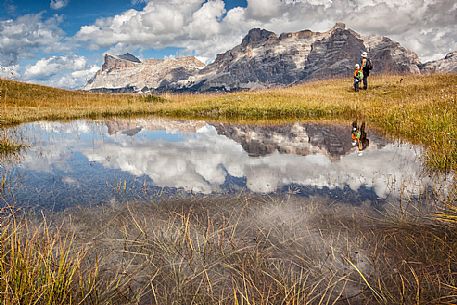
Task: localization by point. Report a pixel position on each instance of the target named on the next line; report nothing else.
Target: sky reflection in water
(85, 162)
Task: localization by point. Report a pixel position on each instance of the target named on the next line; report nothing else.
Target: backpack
(369, 64)
(360, 75)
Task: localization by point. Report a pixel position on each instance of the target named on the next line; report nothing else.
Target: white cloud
(73, 80)
(204, 28)
(58, 4)
(27, 35)
(47, 67)
(61, 71)
(264, 8)
(195, 25)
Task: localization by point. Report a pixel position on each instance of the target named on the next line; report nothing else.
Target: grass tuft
(8, 146)
(39, 264)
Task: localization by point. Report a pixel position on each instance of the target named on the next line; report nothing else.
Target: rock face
(133, 127)
(126, 73)
(389, 56)
(446, 65)
(264, 59)
(298, 139)
(124, 61)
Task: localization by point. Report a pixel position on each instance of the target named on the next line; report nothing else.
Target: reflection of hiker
(359, 137)
(366, 65)
(358, 76)
(364, 142)
(354, 133)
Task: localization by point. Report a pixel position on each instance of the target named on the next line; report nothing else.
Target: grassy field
(420, 109)
(229, 251)
(246, 250)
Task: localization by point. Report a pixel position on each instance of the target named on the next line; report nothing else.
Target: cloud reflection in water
(196, 158)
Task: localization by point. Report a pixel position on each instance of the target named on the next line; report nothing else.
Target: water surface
(92, 162)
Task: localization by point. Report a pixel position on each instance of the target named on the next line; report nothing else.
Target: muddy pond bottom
(93, 162)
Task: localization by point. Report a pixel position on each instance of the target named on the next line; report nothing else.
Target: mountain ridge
(264, 59)
(126, 73)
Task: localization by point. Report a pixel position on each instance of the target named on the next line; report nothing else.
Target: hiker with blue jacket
(366, 65)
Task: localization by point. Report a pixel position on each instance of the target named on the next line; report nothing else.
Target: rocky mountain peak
(339, 25)
(451, 55)
(129, 57)
(126, 73)
(256, 36)
(446, 65)
(119, 61)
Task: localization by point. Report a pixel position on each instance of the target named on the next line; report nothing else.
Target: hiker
(354, 133)
(358, 76)
(366, 65)
(364, 142)
(359, 137)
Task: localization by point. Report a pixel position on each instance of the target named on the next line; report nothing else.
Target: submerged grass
(8, 146)
(420, 109)
(231, 251)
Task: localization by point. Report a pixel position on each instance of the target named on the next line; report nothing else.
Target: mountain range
(262, 60)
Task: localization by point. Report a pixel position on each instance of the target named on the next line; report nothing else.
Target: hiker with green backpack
(358, 76)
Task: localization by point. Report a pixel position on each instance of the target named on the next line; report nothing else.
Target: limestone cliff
(446, 65)
(126, 73)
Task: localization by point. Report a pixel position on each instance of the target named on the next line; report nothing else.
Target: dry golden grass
(420, 109)
(21, 102)
(39, 264)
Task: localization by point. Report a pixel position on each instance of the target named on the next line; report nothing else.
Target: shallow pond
(91, 162)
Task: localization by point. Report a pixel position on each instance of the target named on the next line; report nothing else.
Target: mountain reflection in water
(96, 161)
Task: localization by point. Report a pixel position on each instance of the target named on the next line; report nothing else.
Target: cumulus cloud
(61, 71)
(58, 4)
(197, 26)
(205, 28)
(28, 34)
(47, 67)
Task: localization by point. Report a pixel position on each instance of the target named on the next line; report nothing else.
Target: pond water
(92, 162)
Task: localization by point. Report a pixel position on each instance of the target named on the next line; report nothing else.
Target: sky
(61, 43)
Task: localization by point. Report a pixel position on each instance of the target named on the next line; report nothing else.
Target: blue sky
(61, 42)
